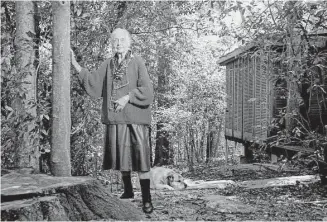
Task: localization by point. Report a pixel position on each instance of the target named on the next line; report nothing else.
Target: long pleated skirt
(127, 147)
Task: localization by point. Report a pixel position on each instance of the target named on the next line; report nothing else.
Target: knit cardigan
(139, 88)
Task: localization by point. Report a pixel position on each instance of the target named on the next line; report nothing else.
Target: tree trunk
(189, 154)
(35, 197)
(218, 137)
(211, 141)
(61, 121)
(292, 105)
(163, 151)
(294, 66)
(209, 146)
(191, 148)
(202, 142)
(27, 154)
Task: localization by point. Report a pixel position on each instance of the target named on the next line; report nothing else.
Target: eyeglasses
(116, 40)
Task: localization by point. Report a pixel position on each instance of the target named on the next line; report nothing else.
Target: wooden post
(61, 121)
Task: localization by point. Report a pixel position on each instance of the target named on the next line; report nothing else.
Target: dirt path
(278, 203)
(297, 202)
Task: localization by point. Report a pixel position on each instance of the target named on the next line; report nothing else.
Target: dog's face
(176, 181)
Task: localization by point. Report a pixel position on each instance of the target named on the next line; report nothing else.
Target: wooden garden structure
(255, 96)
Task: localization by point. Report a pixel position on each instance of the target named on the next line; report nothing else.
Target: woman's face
(120, 42)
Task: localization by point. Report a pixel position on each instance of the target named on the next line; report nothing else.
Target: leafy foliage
(190, 36)
(292, 35)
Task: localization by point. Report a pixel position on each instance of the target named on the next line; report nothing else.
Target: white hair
(128, 35)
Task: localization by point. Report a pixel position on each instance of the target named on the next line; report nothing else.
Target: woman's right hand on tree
(74, 62)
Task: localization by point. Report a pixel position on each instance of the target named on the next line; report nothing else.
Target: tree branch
(165, 29)
(272, 16)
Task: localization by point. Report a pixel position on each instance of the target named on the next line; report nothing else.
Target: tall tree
(163, 152)
(61, 121)
(294, 51)
(27, 153)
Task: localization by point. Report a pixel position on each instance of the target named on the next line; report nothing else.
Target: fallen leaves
(299, 201)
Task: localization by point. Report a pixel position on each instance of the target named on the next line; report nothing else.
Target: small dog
(165, 178)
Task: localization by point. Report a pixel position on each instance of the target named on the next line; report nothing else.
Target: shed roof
(240, 50)
(235, 53)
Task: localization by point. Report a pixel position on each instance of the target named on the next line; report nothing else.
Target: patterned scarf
(120, 69)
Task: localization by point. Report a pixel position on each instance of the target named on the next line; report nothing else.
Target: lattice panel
(227, 98)
(239, 96)
(229, 90)
(251, 93)
(246, 96)
(235, 102)
(258, 85)
(264, 95)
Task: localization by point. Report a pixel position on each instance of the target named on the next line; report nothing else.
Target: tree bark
(218, 138)
(27, 154)
(209, 145)
(35, 197)
(190, 154)
(294, 66)
(213, 139)
(163, 151)
(61, 120)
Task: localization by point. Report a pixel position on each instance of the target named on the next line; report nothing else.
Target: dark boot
(128, 187)
(146, 196)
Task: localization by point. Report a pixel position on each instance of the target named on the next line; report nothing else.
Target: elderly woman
(127, 93)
